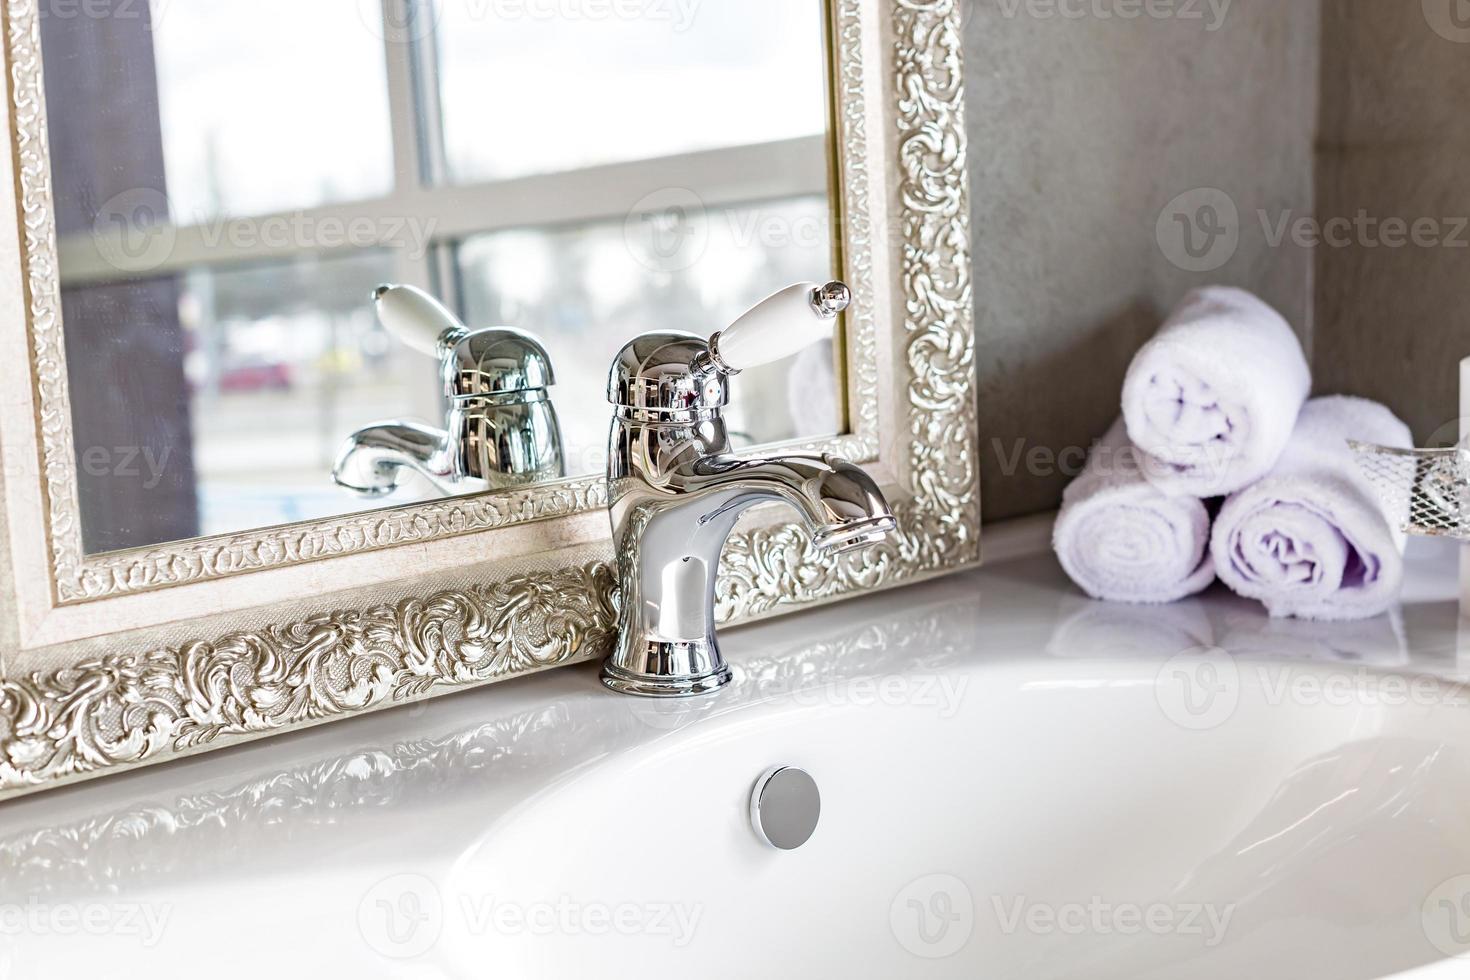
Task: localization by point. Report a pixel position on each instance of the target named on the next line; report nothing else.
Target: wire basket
(1430, 486)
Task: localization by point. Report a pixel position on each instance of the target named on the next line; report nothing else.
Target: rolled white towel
(1122, 539)
(1213, 397)
(1312, 540)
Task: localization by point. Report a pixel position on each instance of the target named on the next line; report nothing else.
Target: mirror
(233, 179)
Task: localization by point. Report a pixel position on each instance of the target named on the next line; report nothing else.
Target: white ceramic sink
(1032, 834)
(1015, 783)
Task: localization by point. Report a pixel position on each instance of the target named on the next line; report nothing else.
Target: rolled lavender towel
(1122, 539)
(1312, 540)
(1213, 397)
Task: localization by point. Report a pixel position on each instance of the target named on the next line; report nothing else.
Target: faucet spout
(372, 461)
(840, 505)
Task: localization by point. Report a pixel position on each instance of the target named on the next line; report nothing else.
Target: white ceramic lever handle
(781, 325)
(414, 317)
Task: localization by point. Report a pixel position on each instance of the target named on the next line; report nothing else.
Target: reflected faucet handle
(780, 325)
(416, 318)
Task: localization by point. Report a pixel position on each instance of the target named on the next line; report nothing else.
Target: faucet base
(654, 684)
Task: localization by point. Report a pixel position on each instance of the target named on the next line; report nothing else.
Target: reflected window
(597, 286)
(284, 108)
(528, 93)
(284, 361)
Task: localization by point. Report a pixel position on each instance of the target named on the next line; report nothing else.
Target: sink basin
(1014, 783)
(1058, 824)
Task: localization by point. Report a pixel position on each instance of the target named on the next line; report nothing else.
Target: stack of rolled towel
(1221, 467)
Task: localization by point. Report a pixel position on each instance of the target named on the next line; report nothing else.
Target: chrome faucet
(676, 490)
(501, 428)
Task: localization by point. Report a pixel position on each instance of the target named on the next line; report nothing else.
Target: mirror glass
(232, 180)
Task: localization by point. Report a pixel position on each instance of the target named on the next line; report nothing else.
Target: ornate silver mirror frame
(129, 658)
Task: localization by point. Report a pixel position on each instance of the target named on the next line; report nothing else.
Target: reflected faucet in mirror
(501, 428)
(676, 489)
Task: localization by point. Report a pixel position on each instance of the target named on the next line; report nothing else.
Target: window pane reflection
(284, 362)
(312, 130)
(535, 88)
(589, 290)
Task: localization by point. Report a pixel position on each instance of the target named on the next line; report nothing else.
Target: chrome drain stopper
(784, 807)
